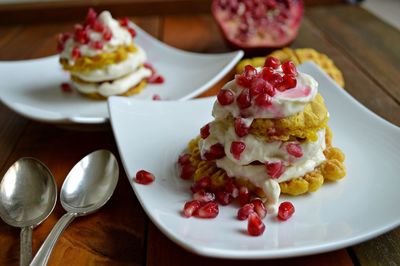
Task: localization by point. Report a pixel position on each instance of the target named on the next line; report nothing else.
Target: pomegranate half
(258, 26)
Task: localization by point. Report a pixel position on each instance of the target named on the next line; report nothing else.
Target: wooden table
(363, 47)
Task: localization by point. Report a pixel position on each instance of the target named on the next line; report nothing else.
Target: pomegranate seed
(209, 210)
(272, 62)
(98, 27)
(223, 197)
(274, 170)
(81, 36)
(243, 81)
(244, 195)
(61, 39)
(237, 147)
(241, 129)
(231, 188)
(124, 22)
(107, 35)
(275, 79)
(184, 159)
(244, 100)
(244, 212)
(266, 73)
(156, 97)
(143, 177)
(263, 100)
(290, 81)
(259, 207)
(205, 131)
(255, 226)
(203, 183)
(66, 87)
(191, 208)
(98, 45)
(155, 79)
(204, 196)
(150, 67)
(249, 71)
(294, 149)
(132, 32)
(289, 68)
(91, 16)
(187, 171)
(216, 151)
(257, 87)
(76, 53)
(285, 211)
(225, 97)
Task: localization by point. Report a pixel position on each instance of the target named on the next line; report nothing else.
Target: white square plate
(32, 87)
(359, 207)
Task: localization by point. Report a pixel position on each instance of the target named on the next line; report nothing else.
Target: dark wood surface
(362, 46)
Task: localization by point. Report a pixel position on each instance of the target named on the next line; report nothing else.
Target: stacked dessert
(102, 57)
(269, 135)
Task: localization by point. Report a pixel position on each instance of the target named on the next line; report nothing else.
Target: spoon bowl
(28, 194)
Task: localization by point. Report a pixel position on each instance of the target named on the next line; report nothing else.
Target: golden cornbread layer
(86, 64)
(298, 56)
(332, 169)
(134, 90)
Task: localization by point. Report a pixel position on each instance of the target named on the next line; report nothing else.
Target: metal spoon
(28, 194)
(88, 186)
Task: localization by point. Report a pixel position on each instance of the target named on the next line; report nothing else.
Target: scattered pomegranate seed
(272, 62)
(290, 81)
(285, 211)
(150, 67)
(241, 129)
(216, 151)
(61, 39)
(267, 73)
(107, 35)
(204, 196)
(257, 87)
(247, 77)
(232, 189)
(223, 197)
(244, 195)
(91, 17)
(276, 79)
(184, 159)
(191, 208)
(156, 97)
(66, 87)
(81, 36)
(124, 22)
(244, 99)
(249, 71)
(76, 53)
(237, 147)
(205, 131)
(132, 32)
(155, 79)
(255, 226)
(294, 149)
(187, 171)
(259, 207)
(98, 45)
(263, 100)
(274, 170)
(204, 183)
(98, 27)
(143, 177)
(209, 210)
(289, 68)
(225, 97)
(244, 212)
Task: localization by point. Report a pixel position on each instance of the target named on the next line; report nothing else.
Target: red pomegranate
(258, 26)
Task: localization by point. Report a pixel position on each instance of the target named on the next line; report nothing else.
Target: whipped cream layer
(120, 36)
(283, 104)
(115, 71)
(117, 86)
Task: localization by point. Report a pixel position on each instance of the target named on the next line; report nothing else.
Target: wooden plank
(162, 251)
(367, 40)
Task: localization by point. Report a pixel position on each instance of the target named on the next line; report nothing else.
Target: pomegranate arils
(263, 100)
(143, 177)
(191, 208)
(216, 151)
(132, 32)
(61, 39)
(255, 225)
(275, 169)
(275, 79)
(91, 17)
(107, 35)
(187, 171)
(244, 212)
(244, 99)
(272, 62)
(259, 207)
(244, 195)
(66, 87)
(203, 183)
(124, 22)
(285, 211)
(76, 53)
(81, 36)
(204, 196)
(155, 79)
(156, 97)
(249, 71)
(245, 79)
(289, 68)
(205, 131)
(225, 97)
(237, 147)
(240, 127)
(184, 159)
(98, 45)
(290, 81)
(223, 197)
(231, 188)
(209, 210)
(294, 149)
(98, 27)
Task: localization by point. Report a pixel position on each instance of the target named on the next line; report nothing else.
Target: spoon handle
(25, 255)
(42, 256)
